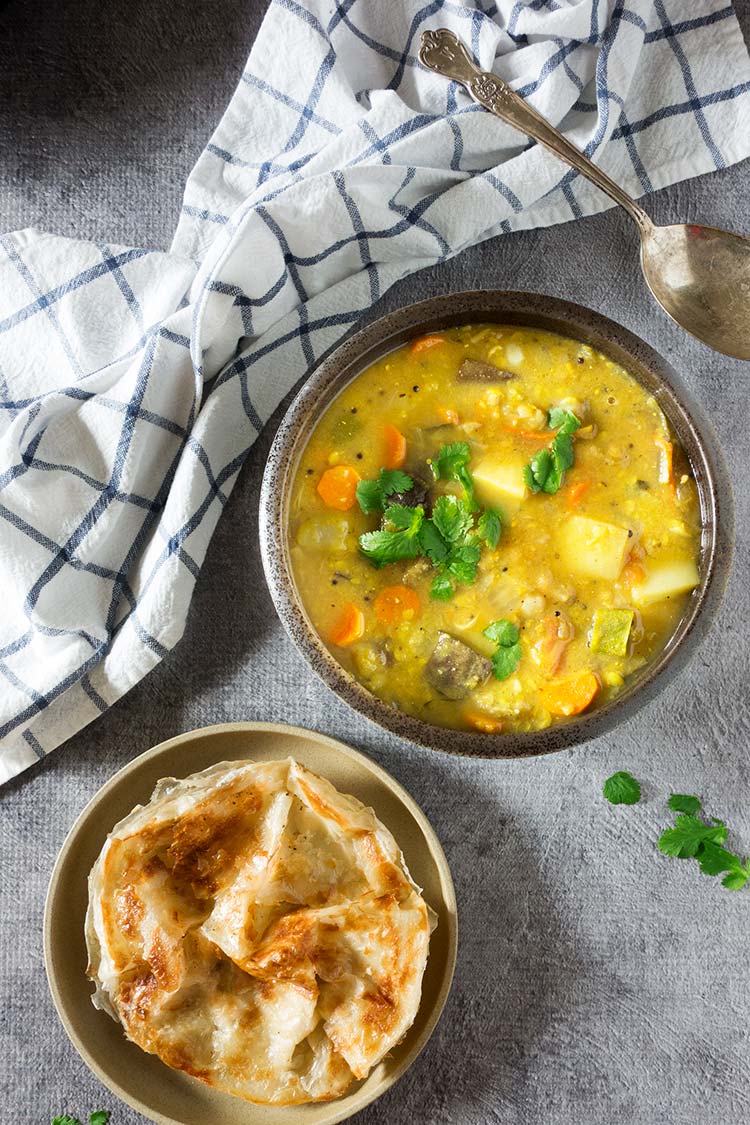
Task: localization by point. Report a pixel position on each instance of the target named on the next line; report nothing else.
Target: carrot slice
(395, 604)
(338, 487)
(425, 342)
(484, 722)
(350, 626)
(395, 447)
(448, 415)
(576, 493)
(529, 435)
(570, 696)
(666, 471)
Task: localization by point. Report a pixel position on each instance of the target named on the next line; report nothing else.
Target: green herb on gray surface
(691, 836)
(622, 789)
(98, 1117)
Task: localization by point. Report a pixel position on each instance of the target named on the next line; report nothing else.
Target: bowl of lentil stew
(496, 523)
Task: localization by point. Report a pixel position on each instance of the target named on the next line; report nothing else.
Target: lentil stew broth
(622, 533)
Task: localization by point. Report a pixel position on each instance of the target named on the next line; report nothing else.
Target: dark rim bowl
(685, 417)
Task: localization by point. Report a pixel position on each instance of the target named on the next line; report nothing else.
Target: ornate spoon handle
(443, 52)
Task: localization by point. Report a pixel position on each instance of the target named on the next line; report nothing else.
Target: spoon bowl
(701, 277)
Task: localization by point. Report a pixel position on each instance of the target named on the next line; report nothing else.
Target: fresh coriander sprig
(691, 836)
(372, 494)
(546, 469)
(507, 655)
(452, 463)
(397, 539)
(448, 538)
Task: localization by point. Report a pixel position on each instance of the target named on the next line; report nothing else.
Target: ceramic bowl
(143, 1081)
(685, 416)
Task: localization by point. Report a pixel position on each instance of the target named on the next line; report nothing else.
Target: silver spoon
(699, 275)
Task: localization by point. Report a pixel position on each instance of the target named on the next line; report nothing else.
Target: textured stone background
(597, 982)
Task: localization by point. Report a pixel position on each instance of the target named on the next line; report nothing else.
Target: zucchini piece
(666, 581)
(592, 548)
(610, 631)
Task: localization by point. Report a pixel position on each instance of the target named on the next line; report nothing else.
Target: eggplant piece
(476, 371)
(419, 493)
(455, 670)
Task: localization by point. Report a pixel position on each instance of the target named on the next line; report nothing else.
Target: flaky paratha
(259, 930)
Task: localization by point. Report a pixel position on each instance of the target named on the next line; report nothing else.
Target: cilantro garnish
(688, 836)
(461, 563)
(622, 789)
(98, 1117)
(489, 527)
(442, 589)
(397, 539)
(372, 494)
(680, 802)
(452, 518)
(452, 463)
(546, 469)
(507, 655)
(691, 836)
(448, 538)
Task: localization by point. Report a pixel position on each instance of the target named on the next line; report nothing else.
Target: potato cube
(666, 581)
(610, 631)
(499, 483)
(592, 548)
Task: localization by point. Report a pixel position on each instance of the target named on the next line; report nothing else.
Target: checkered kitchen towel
(134, 382)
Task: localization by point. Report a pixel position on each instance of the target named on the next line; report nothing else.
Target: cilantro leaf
(506, 657)
(538, 469)
(442, 589)
(502, 632)
(462, 563)
(386, 545)
(681, 802)
(505, 660)
(622, 789)
(490, 527)
(687, 836)
(452, 463)
(432, 543)
(450, 459)
(546, 469)
(714, 859)
(66, 1119)
(452, 518)
(372, 494)
(564, 421)
(403, 518)
(99, 1117)
(735, 881)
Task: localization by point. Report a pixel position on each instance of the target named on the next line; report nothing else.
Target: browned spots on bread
(205, 840)
(129, 911)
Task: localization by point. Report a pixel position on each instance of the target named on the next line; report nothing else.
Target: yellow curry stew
(493, 528)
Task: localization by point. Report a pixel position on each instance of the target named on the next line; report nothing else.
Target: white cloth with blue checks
(134, 382)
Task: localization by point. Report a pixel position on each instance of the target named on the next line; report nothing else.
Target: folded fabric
(134, 382)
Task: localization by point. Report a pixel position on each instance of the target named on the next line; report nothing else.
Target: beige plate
(168, 1096)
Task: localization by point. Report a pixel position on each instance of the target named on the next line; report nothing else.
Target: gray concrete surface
(597, 982)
